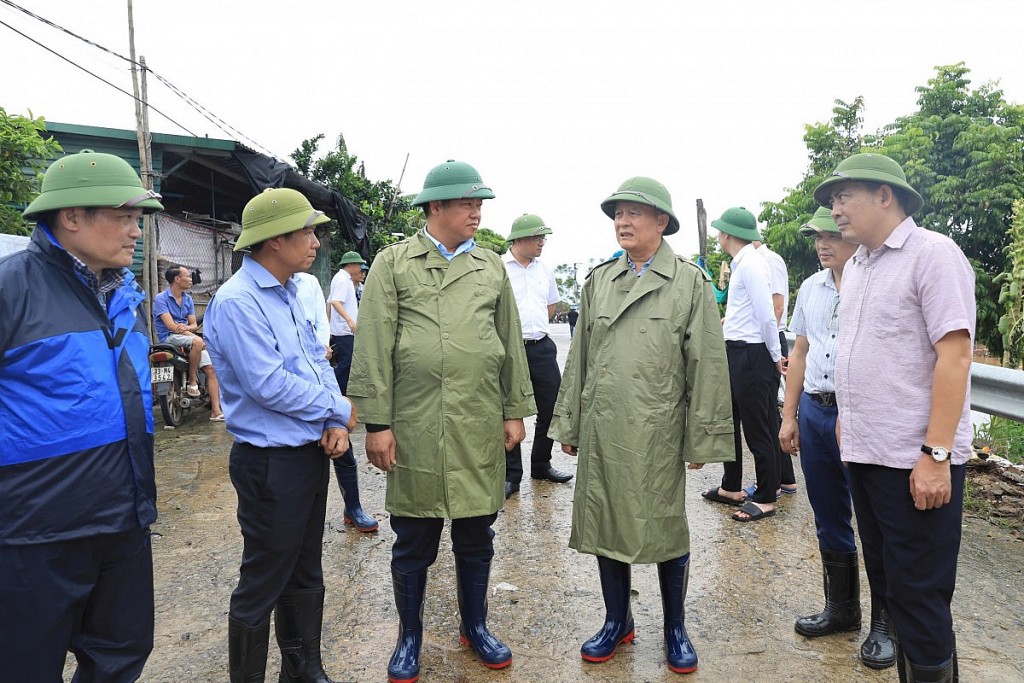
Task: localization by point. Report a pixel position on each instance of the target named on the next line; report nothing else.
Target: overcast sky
(555, 102)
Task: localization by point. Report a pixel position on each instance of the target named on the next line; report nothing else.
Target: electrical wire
(218, 122)
(96, 76)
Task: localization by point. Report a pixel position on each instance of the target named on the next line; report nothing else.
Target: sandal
(192, 390)
(715, 496)
(217, 418)
(753, 512)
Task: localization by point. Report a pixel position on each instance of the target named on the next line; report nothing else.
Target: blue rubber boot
(674, 576)
(347, 473)
(472, 577)
(404, 666)
(618, 622)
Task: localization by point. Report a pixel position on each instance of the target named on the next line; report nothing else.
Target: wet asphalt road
(747, 584)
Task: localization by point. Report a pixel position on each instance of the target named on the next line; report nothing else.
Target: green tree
(1011, 292)
(489, 239)
(388, 212)
(827, 145)
(24, 151)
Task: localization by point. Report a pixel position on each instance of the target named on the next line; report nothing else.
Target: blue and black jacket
(76, 406)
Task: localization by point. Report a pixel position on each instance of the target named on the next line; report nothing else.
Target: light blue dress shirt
(277, 389)
(464, 247)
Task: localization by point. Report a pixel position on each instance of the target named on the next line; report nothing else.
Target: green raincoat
(645, 390)
(439, 357)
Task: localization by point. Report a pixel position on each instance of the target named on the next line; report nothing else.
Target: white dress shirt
(749, 313)
(344, 292)
(779, 278)
(311, 296)
(535, 289)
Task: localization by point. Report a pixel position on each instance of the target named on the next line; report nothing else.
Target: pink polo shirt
(896, 303)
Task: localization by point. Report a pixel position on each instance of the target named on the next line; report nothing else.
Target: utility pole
(702, 230)
(149, 260)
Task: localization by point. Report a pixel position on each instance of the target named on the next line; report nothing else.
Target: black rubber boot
(404, 666)
(247, 651)
(298, 622)
(942, 673)
(842, 597)
(618, 621)
(878, 651)
(674, 576)
(347, 473)
(472, 578)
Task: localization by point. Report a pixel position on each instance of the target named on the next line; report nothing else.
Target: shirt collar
(464, 247)
(749, 247)
(109, 279)
(896, 239)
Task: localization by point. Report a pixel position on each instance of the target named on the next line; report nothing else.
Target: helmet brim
(460, 191)
(608, 206)
(276, 228)
(91, 198)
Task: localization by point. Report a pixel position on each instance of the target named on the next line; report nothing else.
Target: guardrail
(994, 390)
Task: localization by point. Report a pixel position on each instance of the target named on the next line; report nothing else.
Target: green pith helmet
(821, 222)
(738, 222)
(876, 168)
(452, 180)
(92, 180)
(528, 225)
(274, 212)
(352, 257)
(643, 191)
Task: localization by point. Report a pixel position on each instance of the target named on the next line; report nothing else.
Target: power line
(218, 122)
(96, 76)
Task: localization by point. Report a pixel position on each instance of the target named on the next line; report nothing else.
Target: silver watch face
(940, 454)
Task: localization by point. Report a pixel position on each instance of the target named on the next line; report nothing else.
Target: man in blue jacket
(77, 490)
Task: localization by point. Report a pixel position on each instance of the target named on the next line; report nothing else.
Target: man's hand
(334, 441)
(380, 449)
(515, 432)
(929, 483)
(789, 435)
(570, 450)
(780, 366)
(330, 352)
(694, 465)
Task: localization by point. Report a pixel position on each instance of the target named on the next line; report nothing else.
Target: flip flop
(217, 418)
(715, 497)
(753, 512)
(192, 390)
(788, 490)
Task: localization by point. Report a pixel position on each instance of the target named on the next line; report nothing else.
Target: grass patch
(1003, 436)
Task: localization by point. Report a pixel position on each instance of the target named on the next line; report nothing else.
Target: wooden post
(149, 266)
(702, 230)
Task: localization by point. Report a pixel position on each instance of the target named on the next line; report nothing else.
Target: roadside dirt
(748, 583)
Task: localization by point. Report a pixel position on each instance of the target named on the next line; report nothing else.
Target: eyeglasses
(539, 239)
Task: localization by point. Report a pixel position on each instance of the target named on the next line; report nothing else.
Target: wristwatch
(938, 453)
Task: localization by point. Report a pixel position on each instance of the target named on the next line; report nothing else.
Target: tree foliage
(388, 212)
(1011, 292)
(24, 155)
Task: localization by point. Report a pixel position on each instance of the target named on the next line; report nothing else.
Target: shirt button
(447, 380)
(630, 420)
(445, 335)
(636, 375)
(826, 376)
(643, 330)
(833, 336)
(828, 355)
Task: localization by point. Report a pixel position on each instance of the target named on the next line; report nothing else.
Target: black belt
(531, 342)
(828, 399)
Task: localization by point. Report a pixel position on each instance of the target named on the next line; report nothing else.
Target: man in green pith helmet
(440, 377)
(344, 313)
(642, 395)
(536, 295)
(289, 419)
(77, 489)
(905, 433)
(809, 418)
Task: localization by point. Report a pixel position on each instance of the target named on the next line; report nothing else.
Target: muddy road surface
(748, 583)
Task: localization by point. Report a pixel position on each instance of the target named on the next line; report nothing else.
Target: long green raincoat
(645, 390)
(439, 356)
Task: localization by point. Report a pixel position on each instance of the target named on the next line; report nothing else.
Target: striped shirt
(898, 302)
(816, 317)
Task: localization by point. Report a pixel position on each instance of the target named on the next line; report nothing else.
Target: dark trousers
(282, 501)
(417, 539)
(755, 385)
(910, 556)
(786, 474)
(342, 346)
(92, 596)
(826, 478)
(543, 359)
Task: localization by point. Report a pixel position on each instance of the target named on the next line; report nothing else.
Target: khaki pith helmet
(274, 212)
(92, 180)
(452, 180)
(643, 191)
(528, 225)
(876, 168)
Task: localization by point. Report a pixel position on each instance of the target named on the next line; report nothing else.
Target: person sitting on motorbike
(174, 316)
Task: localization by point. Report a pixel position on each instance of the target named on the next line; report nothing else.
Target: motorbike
(169, 374)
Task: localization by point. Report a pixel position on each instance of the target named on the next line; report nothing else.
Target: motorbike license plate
(162, 374)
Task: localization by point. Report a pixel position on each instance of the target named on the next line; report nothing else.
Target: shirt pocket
(884, 313)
